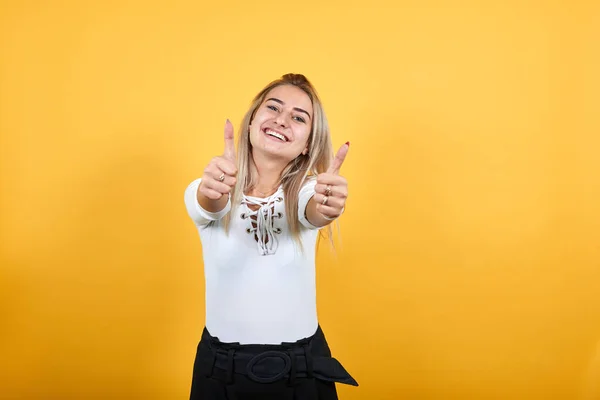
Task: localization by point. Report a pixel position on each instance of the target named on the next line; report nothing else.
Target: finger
(229, 152)
(210, 193)
(226, 166)
(215, 171)
(334, 190)
(227, 180)
(339, 159)
(334, 202)
(322, 188)
(328, 211)
(331, 179)
(220, 187)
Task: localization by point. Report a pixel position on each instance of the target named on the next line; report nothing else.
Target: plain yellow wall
(469, 266)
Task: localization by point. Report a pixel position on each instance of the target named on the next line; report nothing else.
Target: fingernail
(228, 120)
(348, 143)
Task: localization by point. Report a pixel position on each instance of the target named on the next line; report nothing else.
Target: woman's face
(282, 123)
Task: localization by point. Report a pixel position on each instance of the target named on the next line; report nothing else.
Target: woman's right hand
(219, 176)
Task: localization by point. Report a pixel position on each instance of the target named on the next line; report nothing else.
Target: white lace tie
(265, 229)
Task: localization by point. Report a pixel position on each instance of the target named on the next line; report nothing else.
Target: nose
(282, 119)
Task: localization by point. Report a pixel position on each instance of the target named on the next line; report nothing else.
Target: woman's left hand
(331, 190)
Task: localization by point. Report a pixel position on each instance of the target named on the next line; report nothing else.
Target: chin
(275, 154)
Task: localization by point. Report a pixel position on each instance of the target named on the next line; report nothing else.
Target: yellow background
(469, 266)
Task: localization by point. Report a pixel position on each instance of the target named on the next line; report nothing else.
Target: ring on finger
(324, 202)
(328, 190)
(221, 178)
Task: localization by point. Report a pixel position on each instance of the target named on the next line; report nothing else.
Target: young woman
(258, 214)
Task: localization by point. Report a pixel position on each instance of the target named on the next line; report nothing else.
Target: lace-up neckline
(262, 220)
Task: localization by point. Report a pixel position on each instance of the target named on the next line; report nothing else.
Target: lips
(275, 134)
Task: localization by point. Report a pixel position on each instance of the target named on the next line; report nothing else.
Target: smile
(274, 134)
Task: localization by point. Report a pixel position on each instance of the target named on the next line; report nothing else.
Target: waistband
(306, 358)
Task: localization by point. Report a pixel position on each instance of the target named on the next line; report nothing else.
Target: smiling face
(282, 123)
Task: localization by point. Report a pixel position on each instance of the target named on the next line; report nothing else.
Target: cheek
(260, 117)
(302, 135)
(254, 132)
(256, 123)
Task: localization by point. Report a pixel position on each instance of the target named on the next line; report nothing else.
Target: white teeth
(275, 134)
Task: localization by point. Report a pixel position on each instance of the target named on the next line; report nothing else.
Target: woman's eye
(272, 107)
(300, 119)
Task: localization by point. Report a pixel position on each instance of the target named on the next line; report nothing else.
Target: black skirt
(303, 370)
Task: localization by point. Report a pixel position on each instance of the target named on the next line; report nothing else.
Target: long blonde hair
(294, 175)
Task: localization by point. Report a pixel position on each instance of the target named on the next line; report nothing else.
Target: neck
(268, 174)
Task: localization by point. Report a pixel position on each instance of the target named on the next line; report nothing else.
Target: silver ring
(328, 190)
(221, 178)
(325, 200)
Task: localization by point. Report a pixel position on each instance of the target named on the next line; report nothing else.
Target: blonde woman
(258, 212)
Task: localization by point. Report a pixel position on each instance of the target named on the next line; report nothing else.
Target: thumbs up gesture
(220, 175)
(331, 190)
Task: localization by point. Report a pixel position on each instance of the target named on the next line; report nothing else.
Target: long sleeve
(306, 193)
(200, 216)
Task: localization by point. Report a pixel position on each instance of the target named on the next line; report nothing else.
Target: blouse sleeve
(199, 215)
(306, 193)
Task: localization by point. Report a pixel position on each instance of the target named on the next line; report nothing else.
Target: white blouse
(260, 286)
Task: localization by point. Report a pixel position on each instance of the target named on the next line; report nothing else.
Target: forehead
(292, 96)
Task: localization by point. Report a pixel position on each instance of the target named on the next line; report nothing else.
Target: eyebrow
(295, 108)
